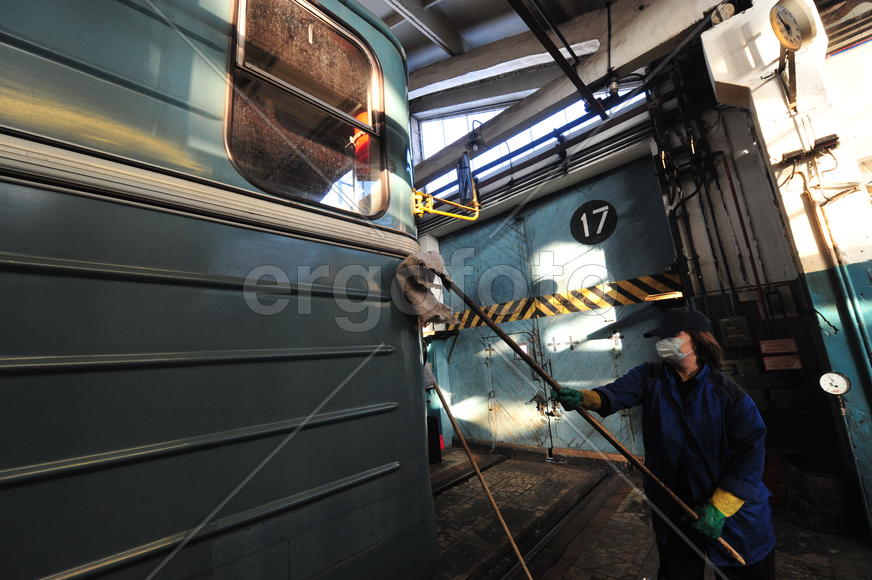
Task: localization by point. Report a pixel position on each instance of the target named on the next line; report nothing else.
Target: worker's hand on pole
(711, 521)
(714, 514)
(571, 399)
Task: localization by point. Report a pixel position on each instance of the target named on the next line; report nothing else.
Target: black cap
(678, 319)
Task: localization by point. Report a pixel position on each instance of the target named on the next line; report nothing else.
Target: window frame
(376, 129)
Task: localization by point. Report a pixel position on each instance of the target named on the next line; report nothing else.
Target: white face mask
(670, 348)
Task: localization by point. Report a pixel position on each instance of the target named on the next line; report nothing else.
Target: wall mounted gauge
(792, 23)
(835, 383)
(723, 12)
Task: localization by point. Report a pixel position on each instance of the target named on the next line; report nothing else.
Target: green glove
(571, 399)
(711, 521)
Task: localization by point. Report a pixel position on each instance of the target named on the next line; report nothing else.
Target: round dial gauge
(723, 12)
(835, 383)
(786, 28)
(791, 23)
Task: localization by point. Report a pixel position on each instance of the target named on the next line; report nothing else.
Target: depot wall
(533, 253)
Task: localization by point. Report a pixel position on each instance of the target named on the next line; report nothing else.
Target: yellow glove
(727, 503)
(592, 400)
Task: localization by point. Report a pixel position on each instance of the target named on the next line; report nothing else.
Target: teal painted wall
(534, 253)
(848, 349)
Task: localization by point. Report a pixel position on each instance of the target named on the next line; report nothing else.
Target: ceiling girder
(643, 30)
(503, 88)
(431, 24)
(393, 19)
(474, 73)
(517, 47)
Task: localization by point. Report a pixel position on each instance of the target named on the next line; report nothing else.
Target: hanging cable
(613, 78)
(609, 36)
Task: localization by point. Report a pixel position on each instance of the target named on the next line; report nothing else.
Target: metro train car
(202, 207)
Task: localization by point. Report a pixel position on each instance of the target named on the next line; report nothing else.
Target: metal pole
(529, 19)
(484, 485)
(582, 411)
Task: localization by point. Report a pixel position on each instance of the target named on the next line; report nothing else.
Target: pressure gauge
(792, 23)
(723, 12)
(835, 383)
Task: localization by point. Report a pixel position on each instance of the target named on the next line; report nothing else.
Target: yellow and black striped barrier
(606, 295)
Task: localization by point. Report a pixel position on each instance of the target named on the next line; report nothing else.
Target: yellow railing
(424, 203)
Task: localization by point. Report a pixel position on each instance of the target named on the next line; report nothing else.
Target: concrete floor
(584, 522)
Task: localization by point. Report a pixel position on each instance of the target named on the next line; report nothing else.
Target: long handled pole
(484, 485)
(582, 411)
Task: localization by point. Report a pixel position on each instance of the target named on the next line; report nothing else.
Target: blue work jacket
(721, 436)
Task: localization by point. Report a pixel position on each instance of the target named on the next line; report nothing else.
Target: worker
(704, 438)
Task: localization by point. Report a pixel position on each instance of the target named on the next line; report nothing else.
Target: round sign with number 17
(593, 222)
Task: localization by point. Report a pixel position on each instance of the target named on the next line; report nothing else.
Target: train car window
(305, 108)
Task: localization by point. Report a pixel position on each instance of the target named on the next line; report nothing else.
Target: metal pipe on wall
(773, 191)
(830, 253)
(741, 209)
(718, 240)
(711, 168)
(702, 185)
(757, 279)
(833, 255)
(661, 139)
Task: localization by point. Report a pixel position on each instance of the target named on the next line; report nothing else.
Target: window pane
(442, 181)
(286, 146)
(432, 137)
(437, 133)
(291, 43)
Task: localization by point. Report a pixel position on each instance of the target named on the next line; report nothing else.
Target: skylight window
(436, 134)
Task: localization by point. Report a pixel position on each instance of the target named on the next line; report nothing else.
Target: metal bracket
(425, 203)
(787, 75)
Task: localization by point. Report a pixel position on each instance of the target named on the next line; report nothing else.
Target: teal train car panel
(204, 377)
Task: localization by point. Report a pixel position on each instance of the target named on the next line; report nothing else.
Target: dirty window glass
(288, 41)
(302, 118)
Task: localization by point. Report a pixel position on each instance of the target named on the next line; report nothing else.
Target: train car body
(202, 207)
